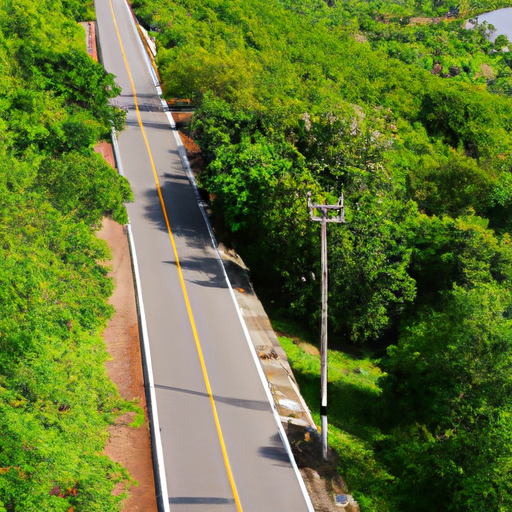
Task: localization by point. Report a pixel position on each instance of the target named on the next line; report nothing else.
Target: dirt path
(127, 445)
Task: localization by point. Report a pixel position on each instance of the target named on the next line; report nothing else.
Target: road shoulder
(127, 445)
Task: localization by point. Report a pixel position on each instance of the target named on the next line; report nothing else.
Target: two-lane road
(221, 444)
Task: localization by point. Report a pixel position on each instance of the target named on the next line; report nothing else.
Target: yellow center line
(180, 273)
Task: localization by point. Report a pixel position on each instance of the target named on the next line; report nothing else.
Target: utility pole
(324, 218)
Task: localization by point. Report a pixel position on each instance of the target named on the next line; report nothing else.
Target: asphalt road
(222, 448)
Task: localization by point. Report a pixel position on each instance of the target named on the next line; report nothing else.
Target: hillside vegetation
(413, 123)
(55, 399)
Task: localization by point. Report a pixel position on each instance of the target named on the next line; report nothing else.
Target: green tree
(85, 186)
(447, 391)
(56, 400)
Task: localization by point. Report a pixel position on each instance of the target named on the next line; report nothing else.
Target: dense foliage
(55, 398)
(411, 118)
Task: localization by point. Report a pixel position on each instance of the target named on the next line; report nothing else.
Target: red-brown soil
(127, 445)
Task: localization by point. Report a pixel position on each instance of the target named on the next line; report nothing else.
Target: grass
(134, 406)
(353, 393)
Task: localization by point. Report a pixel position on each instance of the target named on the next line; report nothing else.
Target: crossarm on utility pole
(324, 210)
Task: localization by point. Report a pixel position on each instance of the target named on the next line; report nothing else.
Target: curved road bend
(222, 449)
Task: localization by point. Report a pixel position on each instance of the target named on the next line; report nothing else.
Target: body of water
(502, 21)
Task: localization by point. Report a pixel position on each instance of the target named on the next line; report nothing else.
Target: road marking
(180, 274)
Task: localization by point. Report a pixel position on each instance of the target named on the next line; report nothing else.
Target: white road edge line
(153, 410)
(186, 165)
